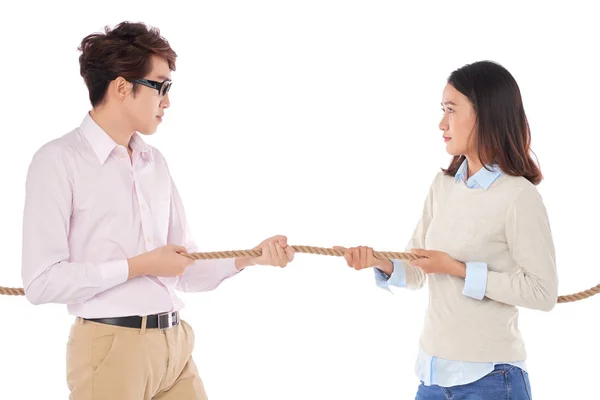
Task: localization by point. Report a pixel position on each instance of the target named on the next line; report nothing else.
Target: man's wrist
(135, 267)
(243, 262)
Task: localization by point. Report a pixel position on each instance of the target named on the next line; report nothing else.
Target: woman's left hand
(438, 262)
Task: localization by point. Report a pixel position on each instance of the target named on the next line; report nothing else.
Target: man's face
(146, 109)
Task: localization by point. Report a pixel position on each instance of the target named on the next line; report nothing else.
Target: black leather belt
(161, 321)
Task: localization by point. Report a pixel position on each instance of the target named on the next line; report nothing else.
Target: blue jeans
(506, 382)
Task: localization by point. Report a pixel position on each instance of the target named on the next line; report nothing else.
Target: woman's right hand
(361, 257)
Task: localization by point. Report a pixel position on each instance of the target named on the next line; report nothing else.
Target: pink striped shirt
(88, 208)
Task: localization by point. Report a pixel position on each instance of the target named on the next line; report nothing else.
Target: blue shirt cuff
(398, 277)
(476, 280)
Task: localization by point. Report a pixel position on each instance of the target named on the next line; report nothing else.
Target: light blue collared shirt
(438, 371)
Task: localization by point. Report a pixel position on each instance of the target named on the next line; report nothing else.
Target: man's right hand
(163, 261)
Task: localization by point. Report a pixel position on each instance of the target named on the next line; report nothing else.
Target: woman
(486, 239)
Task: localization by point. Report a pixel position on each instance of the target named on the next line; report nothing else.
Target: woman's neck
(473, 165)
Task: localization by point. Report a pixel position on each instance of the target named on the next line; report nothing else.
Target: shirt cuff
(113, 273)
(476, 280)
(230, 269)
(398, 277)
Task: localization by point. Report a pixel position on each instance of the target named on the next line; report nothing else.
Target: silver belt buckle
(167, 320)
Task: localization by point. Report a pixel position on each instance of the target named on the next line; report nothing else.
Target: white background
(317, 120)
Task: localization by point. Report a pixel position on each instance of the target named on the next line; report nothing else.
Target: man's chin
(148, 132)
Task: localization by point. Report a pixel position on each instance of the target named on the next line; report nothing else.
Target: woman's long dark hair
(503, 135)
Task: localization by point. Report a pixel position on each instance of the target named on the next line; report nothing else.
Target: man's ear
(121, 87)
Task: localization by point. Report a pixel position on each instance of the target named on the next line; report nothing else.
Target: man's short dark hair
(124, 51)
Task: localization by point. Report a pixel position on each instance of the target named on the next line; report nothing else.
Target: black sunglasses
(162, 87)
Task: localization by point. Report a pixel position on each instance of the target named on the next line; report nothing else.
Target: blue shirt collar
(482, 178)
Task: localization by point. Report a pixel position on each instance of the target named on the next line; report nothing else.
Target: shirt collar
(482, 178)
(103, 144)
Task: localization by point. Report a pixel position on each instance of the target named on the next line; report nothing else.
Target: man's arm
(48, 276)
(202, 275)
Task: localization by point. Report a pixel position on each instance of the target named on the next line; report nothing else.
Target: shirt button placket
(144, 215)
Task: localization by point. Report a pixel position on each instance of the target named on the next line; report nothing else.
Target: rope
(380, 255)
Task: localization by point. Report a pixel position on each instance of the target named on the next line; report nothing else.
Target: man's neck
(111, 124)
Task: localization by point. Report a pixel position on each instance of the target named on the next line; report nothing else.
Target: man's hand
(275, 251)
(164, 261)
(438, 262)
(361, 257)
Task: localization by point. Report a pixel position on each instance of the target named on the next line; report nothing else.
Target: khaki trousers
(116, 363)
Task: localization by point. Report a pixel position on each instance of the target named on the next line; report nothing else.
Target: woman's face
(458, 123)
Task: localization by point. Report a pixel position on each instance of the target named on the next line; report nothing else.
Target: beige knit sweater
(505, 226)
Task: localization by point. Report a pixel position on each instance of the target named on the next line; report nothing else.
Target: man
(104, 229)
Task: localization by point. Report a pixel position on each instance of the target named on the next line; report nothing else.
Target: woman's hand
(438, 262)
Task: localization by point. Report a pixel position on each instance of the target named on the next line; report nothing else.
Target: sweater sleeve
(406, 275)
(534, 283)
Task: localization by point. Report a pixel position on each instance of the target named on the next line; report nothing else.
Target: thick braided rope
(381, 255)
